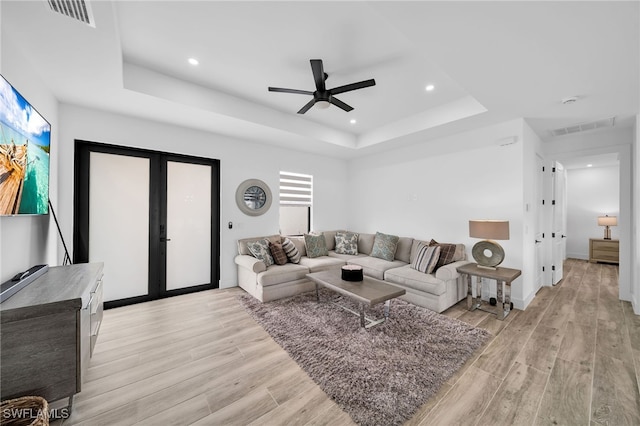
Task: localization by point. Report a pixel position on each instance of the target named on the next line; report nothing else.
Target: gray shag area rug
(380, 375)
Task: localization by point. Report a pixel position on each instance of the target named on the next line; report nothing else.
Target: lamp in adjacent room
(607, 221)
(488, 253)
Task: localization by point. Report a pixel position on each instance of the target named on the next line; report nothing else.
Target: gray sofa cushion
(406, 276)
(277, 274)
(403, 251)
(365, 243)
(346, 257)
(374, 267)
(321, 263)
(299, 243)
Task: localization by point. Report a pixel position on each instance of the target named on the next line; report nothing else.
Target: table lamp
(607, 221)
(488, 253)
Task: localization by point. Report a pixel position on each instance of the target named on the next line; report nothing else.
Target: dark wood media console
(48, 331)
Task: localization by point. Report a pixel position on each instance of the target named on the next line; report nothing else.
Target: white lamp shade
(607, 220)
(489, 229)
(322, 104)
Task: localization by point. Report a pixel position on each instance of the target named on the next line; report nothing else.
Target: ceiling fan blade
(299, 92)
(307, 107)
(340, 104)
(318, 74)
(352, 86)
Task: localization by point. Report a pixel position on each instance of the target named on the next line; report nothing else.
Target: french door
(151, 217)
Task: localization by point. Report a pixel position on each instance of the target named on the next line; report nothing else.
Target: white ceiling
(489, 62)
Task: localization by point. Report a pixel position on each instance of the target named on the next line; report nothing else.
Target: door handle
(164, 240)
(538, 241)
(564, 236)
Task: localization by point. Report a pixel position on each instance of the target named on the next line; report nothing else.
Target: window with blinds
(296, 198)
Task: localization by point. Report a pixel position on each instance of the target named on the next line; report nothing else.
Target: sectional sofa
(436, 291)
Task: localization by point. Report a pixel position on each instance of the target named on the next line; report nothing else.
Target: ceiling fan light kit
(323, 97)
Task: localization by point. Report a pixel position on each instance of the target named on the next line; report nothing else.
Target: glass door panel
(188, 225)
(119, 222)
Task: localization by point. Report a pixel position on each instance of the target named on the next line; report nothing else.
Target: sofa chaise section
(272, 282)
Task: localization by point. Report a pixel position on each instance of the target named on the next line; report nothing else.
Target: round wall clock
(253, 197)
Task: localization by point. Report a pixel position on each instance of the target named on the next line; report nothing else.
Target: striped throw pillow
(426, 258)
(291, 251)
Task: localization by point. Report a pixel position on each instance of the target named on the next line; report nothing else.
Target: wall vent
(80, 10)
(583, 127)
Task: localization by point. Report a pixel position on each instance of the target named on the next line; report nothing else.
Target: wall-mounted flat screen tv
(24, 155)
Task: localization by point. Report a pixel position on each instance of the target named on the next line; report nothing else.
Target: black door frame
(157, 215)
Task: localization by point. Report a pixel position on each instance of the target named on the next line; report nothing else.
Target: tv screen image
(24, 155)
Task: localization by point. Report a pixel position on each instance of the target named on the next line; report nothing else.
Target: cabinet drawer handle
(90, 302)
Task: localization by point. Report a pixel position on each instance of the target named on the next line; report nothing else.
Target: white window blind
(296, 189)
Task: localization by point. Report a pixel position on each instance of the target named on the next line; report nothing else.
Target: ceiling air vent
(583, 127)
(79, 10)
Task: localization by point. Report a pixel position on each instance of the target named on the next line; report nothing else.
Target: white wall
(239, 160)
(29, 240)
(591, 192)
(432, 190)
(620, 141)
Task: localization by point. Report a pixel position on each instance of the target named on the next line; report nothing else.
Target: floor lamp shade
(488, 253)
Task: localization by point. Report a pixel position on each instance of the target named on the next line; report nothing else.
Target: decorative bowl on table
(352, 273)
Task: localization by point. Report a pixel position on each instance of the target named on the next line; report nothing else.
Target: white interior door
(539, 224)
(559, 218)
(188, 229)
(119, 222)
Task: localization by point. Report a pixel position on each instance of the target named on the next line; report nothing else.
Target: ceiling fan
(322, 96)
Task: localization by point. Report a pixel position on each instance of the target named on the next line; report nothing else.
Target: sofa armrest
(250, 263)
(449, 272)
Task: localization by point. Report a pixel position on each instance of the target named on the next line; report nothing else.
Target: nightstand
(601, 250)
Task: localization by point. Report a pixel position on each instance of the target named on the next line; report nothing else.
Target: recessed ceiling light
(353, 121)
(429, 87)
(193, 61)
(589, 165)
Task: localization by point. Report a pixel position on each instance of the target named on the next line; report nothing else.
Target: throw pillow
(316, 245)
(278, 254)
(346, 243)
(384, 246)
(291, 251)
(426, 258)
(447, 253)
(260, 250)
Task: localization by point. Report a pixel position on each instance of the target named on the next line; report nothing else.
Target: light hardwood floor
(571, 358)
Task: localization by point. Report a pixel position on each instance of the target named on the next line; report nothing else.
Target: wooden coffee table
(369, 291)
